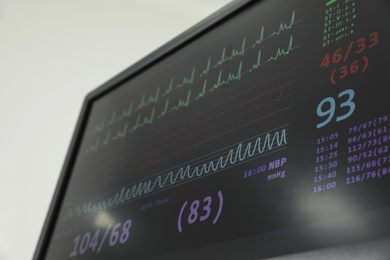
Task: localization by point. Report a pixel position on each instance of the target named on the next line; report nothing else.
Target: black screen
(266, 134)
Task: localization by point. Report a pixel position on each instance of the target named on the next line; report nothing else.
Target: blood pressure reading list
(263, 130)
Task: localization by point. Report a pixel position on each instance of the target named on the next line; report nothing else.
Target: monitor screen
(261, 132)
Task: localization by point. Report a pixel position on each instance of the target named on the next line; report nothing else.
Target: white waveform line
(232, 157)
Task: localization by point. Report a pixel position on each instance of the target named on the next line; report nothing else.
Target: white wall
(52, 53)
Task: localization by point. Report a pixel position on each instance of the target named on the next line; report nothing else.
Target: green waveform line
(94, 147)
(230, 77)
(283, 52)
(152, 99)
(260, 40)
(99, 127)
(165, 110)
(170, 88)
(185, 81)
(188, 100)
(207, 69)
(102, 124)
(221, 81)
(284, 26)
(183, 103)
(113, 117)
(257, 64)
(126, 113)
(107, 139)
(331, 2)
(122, 133)
(234, 53)
(203, 92)
(147, 120)
(149, 100)
(190, 80)
(144, 102)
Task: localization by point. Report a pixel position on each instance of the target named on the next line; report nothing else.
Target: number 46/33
(327, 107)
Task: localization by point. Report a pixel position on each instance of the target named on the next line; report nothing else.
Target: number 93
(330, 109)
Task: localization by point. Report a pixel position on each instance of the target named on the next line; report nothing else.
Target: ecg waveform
(196, 129)
(147, 100)
(211, 163)
(222, 80)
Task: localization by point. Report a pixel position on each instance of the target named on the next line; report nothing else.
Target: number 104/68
(88, 242)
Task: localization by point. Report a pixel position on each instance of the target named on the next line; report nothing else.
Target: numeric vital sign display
(271, 126)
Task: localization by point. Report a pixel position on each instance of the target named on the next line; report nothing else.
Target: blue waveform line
(211, 163)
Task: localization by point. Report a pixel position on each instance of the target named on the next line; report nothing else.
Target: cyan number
(330, 112)
(331, 108)
(349, 103)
